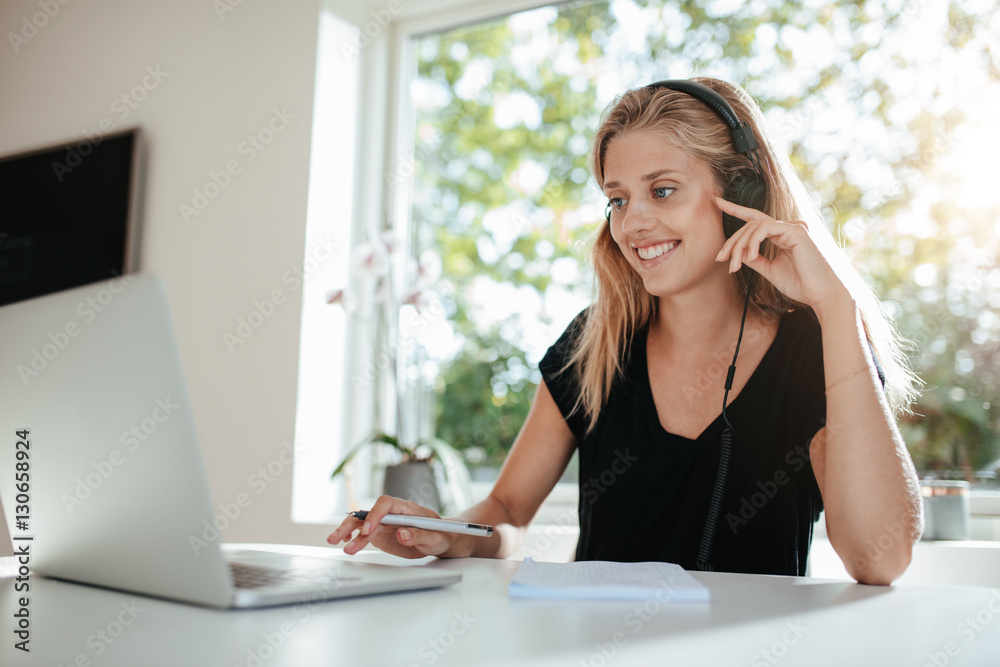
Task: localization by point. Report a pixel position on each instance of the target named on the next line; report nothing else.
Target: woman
(636, 382)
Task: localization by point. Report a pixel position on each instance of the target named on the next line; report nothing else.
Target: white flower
(369, 261)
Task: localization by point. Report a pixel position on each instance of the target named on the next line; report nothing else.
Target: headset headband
(743, 138)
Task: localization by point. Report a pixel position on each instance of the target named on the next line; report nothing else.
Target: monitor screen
(67, 215)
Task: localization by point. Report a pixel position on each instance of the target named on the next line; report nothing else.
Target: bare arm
(865, 475)
(533, 466)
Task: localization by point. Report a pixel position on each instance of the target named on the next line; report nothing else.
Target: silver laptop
(116, 489)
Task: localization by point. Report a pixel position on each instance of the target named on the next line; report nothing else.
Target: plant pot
(946, 510)
(413, 481)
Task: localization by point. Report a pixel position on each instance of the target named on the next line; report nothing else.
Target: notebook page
(605, 580)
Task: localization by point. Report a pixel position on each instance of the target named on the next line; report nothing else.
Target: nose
(637, 218)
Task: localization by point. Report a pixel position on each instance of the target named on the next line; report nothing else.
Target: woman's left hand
(799, 270)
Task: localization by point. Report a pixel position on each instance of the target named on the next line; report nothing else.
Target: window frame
(386, 181)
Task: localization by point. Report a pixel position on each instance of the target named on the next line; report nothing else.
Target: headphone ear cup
(745, 190)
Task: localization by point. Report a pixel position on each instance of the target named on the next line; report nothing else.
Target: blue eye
(662, 192)
(617, 202)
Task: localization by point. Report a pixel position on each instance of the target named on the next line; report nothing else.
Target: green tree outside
(865, 105)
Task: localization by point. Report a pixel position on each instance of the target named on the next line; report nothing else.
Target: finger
(729, 246)
(780, 232)
(738, 250)
(758, 236)
(361, 541)
(742, 212)
(344, 530)
(389, 505)
(372, 524)
(369, 527)
(427, 542)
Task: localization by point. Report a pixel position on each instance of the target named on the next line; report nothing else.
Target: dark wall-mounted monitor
(68, 215)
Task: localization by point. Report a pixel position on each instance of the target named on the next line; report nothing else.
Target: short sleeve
(561, 381)
(878, 366)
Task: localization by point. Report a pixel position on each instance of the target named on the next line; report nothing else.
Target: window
(881, 126)
(883, 108)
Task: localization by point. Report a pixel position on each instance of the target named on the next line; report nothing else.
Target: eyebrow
(648, 177)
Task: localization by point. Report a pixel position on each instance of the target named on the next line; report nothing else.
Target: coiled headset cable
(714, 505)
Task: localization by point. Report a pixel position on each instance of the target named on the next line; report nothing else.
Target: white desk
(797, 621)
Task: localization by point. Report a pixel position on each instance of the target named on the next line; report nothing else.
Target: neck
(698, 323)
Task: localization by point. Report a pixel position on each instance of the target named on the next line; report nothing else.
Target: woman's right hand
(397, 540)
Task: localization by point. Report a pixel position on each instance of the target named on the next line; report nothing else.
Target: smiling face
(663, 216)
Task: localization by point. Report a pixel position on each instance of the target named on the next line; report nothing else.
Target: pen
(426, 523)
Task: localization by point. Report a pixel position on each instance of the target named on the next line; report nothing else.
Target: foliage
(487, 394)
(502, 194)
(422, 451)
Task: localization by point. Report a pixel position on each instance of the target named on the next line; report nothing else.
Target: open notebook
(604, 580)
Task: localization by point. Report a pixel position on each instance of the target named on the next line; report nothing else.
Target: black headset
(747, 188)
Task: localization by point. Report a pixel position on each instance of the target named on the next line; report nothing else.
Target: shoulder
(799, 333)
(566, 342)
(802, 337)
(559, 376)
(796, 354)
(801, 322)
(576, 325)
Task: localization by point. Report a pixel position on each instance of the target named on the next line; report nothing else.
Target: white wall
(222, 78)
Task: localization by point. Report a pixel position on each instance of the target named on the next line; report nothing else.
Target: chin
(660, 288)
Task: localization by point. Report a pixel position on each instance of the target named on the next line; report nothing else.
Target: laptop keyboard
(255, 576)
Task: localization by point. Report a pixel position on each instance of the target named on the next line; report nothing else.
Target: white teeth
(656, 250)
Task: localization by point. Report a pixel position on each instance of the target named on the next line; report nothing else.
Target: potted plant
(430, 471)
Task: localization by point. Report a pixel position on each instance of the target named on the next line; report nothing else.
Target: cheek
(616, 234)
(623, 247)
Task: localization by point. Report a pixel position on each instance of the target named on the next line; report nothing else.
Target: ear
(747, 190)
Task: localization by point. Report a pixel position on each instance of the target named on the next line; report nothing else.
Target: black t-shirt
(644, 492)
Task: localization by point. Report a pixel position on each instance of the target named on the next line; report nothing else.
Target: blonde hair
(622, 306)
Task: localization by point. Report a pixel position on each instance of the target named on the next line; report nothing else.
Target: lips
(654, 251)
